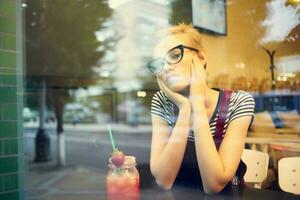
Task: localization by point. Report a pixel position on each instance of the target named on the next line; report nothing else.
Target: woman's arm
(167, 151)
(217, 168)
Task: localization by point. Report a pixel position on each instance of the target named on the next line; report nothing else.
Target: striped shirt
(241, 104)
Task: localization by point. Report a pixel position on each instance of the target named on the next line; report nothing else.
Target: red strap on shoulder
(223, 110)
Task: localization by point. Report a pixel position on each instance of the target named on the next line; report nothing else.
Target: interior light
(141, 94)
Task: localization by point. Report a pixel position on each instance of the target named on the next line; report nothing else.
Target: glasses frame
(181, 47)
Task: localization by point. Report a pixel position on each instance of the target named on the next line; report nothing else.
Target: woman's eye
(175, 56)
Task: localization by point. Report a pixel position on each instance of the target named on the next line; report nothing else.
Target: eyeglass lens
(172, 57)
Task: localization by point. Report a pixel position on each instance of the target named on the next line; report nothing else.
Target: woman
(184, 116)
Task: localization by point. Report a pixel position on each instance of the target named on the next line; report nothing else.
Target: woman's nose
(168, 67)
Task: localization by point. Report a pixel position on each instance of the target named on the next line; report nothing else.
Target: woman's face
(175, 76)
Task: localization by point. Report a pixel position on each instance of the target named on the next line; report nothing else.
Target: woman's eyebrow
(165, 52)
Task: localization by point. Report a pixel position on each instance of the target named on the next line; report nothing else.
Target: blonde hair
(193, 36)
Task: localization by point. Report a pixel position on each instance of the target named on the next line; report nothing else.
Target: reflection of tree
(61, 46)
(272, 65)
(282, 17)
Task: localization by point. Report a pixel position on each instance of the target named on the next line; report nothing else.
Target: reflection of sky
(116, 3)
(281, 19)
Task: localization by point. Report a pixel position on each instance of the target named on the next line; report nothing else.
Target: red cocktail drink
(122, 183)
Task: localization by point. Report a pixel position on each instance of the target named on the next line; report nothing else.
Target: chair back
(289, 174)
(257, 166)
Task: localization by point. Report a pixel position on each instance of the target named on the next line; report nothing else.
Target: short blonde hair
(193, 36)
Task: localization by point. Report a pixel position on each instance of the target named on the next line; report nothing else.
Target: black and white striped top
(241, 104)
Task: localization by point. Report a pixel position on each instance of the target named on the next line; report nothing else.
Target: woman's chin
(177, 87)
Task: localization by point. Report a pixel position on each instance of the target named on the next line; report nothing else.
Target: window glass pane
(86, 75)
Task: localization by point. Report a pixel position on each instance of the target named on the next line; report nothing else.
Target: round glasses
(173, 56)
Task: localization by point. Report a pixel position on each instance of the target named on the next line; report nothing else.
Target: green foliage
(61, 45)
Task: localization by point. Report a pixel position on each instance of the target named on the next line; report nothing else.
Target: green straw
(111, 138)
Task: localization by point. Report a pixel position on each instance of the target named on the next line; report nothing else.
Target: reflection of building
(123, 70)
(137, 22)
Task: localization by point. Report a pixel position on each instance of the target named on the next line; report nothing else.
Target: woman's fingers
(158, 81)
(198, 71)
(197, 61)
(161, 84)
(167, 90)
(163, 87)
(200, 67)
(169, 93)
(177, 98)
(198, 81)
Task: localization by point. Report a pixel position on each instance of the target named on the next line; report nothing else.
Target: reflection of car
(102, 118)
(29, 115)
(77, 113)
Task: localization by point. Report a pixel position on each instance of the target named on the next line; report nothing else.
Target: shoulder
(159, 105)
(241, 97)
(159, 96)
(159, 100)
(242, 104)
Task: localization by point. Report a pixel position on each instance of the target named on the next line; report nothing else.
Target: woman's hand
(198, 82)
(175, 97)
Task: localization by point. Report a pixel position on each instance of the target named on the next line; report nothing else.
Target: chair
(257, 166)
(289, 174)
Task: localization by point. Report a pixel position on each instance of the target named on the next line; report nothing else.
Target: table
(292, 146)
(265, 140)
(287, 131)
(150, 191)
(193, 194)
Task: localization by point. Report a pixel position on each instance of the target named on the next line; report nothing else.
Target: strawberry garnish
(117, 158)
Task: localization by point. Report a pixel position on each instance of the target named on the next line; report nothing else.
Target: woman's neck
(185, 92)
(211, 98)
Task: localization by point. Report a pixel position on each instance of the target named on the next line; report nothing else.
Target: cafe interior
(76, 93)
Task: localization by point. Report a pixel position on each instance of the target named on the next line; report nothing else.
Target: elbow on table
(164, 185)
(215, 186)
(163, 181)
(213, 189)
